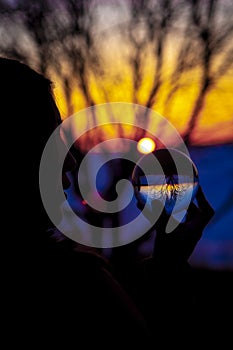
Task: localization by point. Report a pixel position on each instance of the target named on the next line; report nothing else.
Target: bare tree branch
(205, 20)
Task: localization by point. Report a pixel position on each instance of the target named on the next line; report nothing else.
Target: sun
(146, 145)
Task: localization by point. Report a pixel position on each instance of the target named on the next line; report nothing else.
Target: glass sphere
(167, 175)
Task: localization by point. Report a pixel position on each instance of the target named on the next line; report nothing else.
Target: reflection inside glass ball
(174, 188)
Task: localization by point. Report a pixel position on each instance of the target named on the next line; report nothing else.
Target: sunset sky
(160, 54)
(116, 84)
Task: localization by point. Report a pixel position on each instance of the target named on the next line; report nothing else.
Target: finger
(192, 212)
(159, 209)
(203, 203)
(196, 221)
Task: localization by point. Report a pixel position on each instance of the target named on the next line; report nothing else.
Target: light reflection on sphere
(165, 183)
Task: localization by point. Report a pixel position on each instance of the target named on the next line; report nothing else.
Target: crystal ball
(167, 175)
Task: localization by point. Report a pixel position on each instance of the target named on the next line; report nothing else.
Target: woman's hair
(28, 103)
(29, 115)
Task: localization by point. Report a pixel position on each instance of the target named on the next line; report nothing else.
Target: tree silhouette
(63, 40)
(214, 40)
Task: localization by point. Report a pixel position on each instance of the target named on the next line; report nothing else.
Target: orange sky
(215, 123)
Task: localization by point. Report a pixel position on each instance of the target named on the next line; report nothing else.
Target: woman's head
(30, 109)
(29, 115)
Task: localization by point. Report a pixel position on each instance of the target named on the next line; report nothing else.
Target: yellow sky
(215, 122)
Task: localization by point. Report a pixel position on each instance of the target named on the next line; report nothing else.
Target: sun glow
(146, 145)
